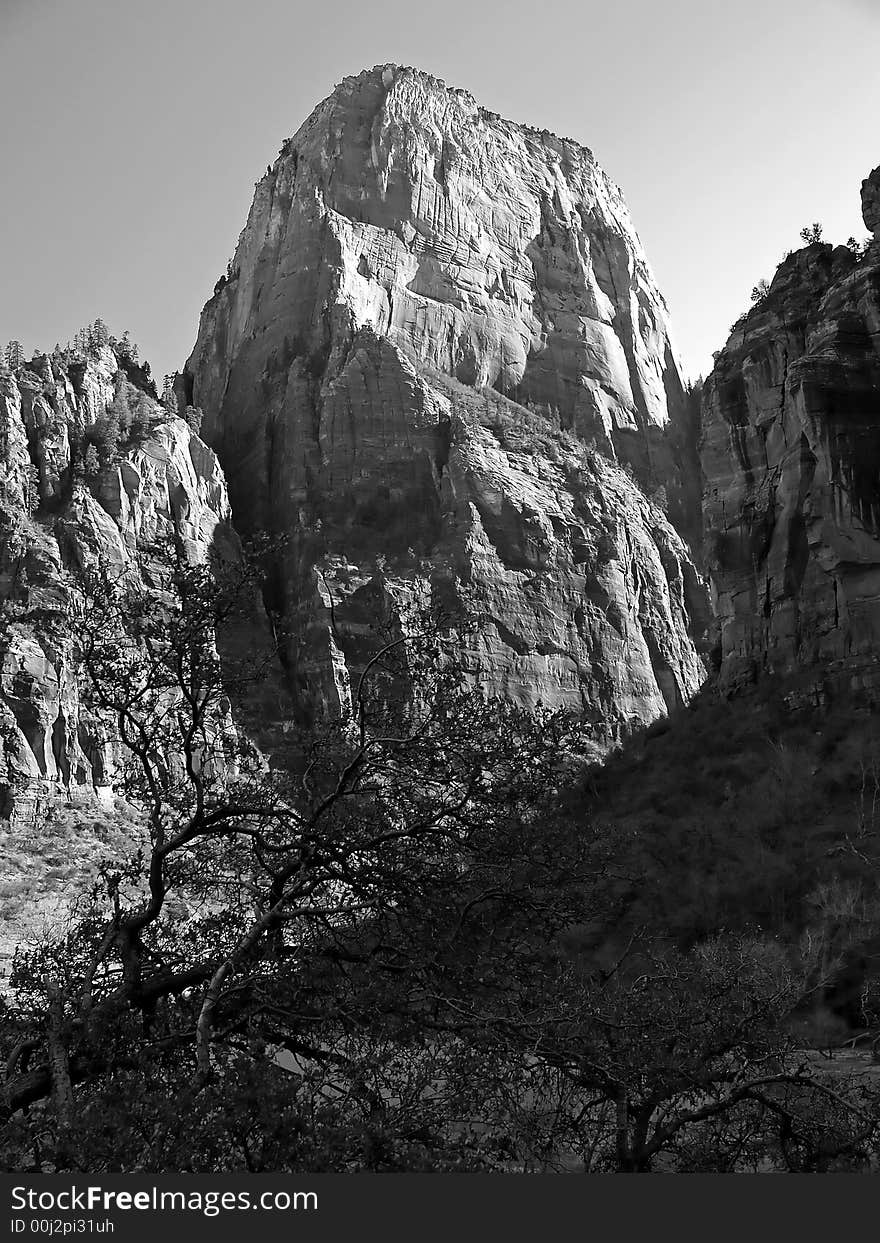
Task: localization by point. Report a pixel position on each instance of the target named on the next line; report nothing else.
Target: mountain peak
(433, 318)
(410, 87)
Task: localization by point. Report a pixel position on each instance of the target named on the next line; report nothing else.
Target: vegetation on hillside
(426, 936)
(759, 814)
(134, 409)
(424, 940)
(810, 235)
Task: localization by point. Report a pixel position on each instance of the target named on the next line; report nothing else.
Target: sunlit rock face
(166, 488)
(438, 342)
(791, 458)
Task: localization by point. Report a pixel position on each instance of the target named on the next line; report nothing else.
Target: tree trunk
(59, 1070)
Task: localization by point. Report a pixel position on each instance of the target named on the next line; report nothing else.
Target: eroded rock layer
(432, 316)
(791, 459)
(164, 488)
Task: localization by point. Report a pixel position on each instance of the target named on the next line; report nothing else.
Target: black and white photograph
(439, 600)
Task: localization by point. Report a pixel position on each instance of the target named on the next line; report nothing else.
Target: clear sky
(132, 134)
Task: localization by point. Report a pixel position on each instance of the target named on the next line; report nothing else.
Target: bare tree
(250, 882)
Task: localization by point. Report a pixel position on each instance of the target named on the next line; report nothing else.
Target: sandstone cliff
(791, 459)
(164, 486)
(437, 343)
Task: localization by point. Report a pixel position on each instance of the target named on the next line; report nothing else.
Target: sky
(133, 132)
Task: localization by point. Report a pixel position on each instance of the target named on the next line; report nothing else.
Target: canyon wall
(791, 461)
(58, 522)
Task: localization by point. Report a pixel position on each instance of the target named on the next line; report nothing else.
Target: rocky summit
(439, 365)
(791, 459)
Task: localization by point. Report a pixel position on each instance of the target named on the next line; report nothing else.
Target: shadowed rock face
(430, 315)
(166, 489)
(791, 459)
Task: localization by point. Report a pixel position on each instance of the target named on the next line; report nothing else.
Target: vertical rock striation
(436, 346)
(791, 459)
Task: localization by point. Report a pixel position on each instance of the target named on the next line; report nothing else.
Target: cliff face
(164, 486)
(430, 316)
(791, 459)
